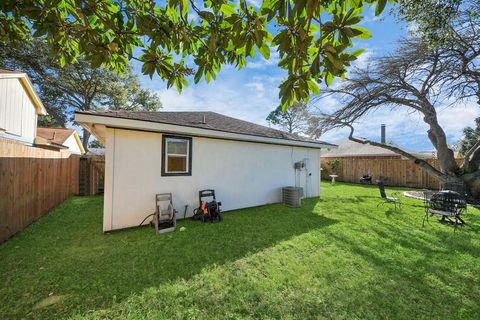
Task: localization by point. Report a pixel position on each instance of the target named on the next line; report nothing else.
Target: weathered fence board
(92, 174)
(399, 172)
(33, 181)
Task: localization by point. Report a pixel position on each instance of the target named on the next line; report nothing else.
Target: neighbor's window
(176, 156)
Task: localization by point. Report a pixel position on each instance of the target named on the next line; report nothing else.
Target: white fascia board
(41, 110)
(184, 130)
(27, 84)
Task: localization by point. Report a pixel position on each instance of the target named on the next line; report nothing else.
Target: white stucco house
(59, 139)
(184, 152)
(20, 107)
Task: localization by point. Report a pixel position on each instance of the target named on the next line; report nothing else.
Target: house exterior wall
(72, 145)
(18, 117)
(243, 174)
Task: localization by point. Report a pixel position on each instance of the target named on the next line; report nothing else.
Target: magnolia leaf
(335, 61)
(313, 87)
(364, 33)
(227, 9)
(265, 51)
(329, 79)
(358, 52)
(380, 6)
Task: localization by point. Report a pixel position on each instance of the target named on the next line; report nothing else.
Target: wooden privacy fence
(92, 174)
(32, 182)
(399, 172)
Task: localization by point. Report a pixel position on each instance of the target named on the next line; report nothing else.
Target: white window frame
(166, 155)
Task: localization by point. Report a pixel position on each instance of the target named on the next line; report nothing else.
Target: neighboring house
(183, 152)
(95, 152)
(59, 138)
(351, 149)
(20, 106)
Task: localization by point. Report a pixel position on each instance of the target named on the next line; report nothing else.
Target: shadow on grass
(414, 263)
(66, 254)
(369, 265)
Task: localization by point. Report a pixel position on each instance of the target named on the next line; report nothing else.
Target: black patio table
(446, 203)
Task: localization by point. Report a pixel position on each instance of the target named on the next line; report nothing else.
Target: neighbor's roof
(96, 152)
(213, 121)
(349, 148)
(57, 135)
(27, 84)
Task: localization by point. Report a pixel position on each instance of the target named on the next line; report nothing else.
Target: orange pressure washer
(208, 211)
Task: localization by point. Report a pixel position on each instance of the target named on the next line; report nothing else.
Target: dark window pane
(176, 164)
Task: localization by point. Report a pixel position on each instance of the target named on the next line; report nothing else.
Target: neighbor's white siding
(243, 174)
(18, 116)
(72, 145)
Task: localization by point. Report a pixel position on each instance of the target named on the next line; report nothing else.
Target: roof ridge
(257, 124)
(214, 121)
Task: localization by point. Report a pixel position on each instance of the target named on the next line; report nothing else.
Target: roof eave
(28, 86)
(79, 142)
(87, 119)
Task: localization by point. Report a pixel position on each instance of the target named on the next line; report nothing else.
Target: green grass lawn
(337, 257)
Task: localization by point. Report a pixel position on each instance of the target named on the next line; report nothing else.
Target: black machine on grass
(367, 178)
(208, 211)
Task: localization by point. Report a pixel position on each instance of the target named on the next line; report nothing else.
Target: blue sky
(251, 93)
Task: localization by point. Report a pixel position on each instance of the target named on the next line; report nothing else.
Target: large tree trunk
(437, 136)
(85, 138)
(472, 184)
(471, 171)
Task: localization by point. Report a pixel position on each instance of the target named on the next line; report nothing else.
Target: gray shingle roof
(57, 135)
(349, 148)
(213, 121)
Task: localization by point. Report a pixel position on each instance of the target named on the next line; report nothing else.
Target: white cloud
(454, 119)
(233, 96)
(370, 19)
(255, 3)
(262, 63)
(257, 86)
(363, 60)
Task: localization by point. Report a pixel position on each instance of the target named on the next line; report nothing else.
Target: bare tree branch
(422, 163)
(412, 79)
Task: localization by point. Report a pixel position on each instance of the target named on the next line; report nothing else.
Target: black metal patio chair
(395, 200)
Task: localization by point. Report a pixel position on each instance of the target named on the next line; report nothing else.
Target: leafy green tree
(313, 37)
(437, 20)
(78, 87)
(96, 144)
(453, 28)
(334, 165)
(292, 120)
(471, 136)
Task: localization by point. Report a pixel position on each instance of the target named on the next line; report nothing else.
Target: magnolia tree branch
(422, 163)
